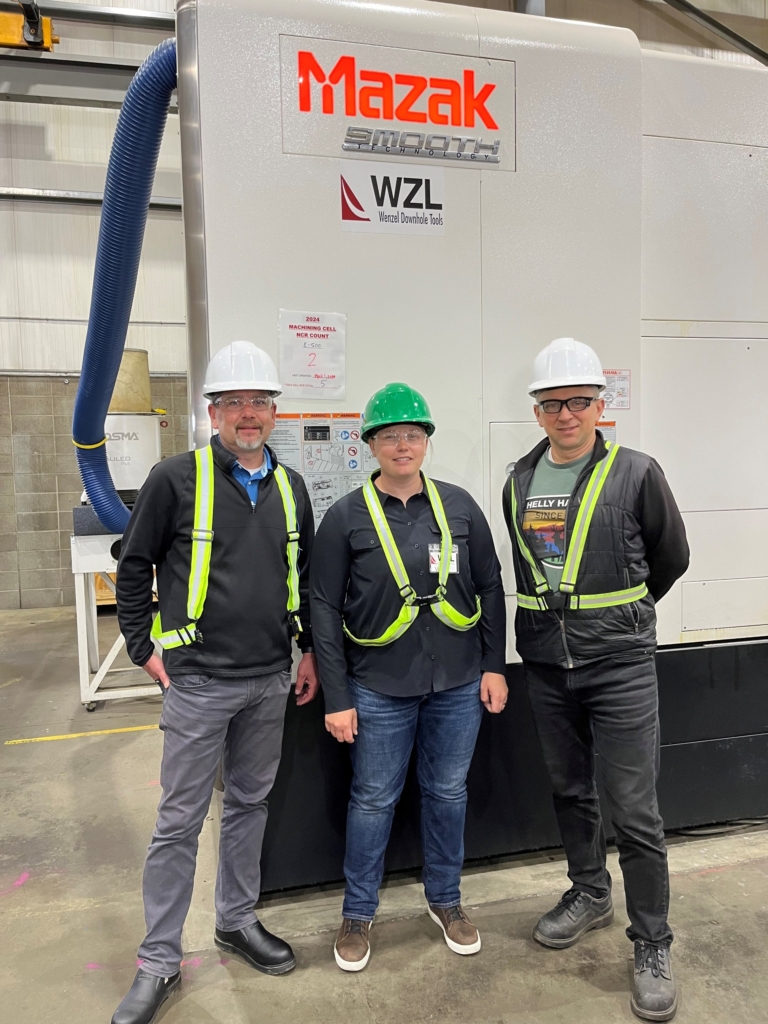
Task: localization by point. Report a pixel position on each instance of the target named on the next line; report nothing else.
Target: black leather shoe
(145, 997)
(654, 992)
(257, 947)
(576, 913)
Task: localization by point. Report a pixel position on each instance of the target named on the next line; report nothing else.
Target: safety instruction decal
(608, 429)
(326, 448)
(618, 391)
(312, 354)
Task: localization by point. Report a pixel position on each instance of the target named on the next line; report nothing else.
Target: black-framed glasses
(577, 404)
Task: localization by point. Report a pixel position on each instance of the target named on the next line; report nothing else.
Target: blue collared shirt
(251, 481)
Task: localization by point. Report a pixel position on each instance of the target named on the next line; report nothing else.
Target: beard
(248, 446)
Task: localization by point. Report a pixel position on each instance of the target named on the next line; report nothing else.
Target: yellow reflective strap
(387, 541)
(450, 616)
(539, 580)
(202, 533)
(446, 541)
(534, 604)
(291, 524)
(610, 600)
(173, 637)
(445, 611)
(405, 619)
(578, 539)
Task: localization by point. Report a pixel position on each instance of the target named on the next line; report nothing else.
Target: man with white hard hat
(597, 540)
(229, 530)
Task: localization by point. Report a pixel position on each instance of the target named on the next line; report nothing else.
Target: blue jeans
(444, 727)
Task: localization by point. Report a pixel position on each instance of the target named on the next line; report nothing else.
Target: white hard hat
(241, 366)
(566, 363)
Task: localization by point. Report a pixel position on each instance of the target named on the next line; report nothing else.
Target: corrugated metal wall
(48, 249)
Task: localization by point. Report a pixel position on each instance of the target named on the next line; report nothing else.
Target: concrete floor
(77, 815)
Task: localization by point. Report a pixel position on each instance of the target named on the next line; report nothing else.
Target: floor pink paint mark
(155, 782)
(94, 967)
(709, 871)
(19, 882)
(224, 960)
(194, 962)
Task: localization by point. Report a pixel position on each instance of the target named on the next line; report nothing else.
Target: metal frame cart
(93, 554)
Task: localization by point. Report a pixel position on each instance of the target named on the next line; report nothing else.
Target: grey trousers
(204, 717)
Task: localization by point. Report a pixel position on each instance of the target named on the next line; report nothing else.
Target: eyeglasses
(232, 402)
(391, 438)
(577, 404)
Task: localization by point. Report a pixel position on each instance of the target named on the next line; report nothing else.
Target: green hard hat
(396, 403)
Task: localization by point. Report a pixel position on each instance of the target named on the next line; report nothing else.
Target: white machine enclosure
(585, 189)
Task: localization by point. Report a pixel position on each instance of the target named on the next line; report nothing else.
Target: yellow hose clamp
(88, 446)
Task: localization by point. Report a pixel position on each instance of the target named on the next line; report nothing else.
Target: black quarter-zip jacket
(636, 536)
(244, 625)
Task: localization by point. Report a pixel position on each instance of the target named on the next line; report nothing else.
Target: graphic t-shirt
(544, 513)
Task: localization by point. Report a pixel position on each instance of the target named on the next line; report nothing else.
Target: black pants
(609, 707)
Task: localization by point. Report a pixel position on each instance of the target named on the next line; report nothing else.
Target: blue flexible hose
(127, 191)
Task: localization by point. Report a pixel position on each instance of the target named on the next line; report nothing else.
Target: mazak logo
(123, 435)
(437, 102)
(385, 198)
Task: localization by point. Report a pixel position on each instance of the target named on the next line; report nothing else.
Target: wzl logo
(411, 99)
(379, 197)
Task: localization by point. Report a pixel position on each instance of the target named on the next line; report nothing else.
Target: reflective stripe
(292, 526)
(578, 537)
(616, 597)
(576, 547)
(534, 604)
(202, 543)
(444, 611)
(388, 541)
(539, 579)
(202, 533)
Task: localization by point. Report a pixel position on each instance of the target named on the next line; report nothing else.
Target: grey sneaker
(654, 993)
(576, 913)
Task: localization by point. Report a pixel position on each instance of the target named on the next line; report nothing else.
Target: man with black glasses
(230, 532)
(597, 540)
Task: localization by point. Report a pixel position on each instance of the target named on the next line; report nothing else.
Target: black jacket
(244, 623)
(636, 536)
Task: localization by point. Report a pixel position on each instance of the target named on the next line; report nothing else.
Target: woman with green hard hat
(409, 628)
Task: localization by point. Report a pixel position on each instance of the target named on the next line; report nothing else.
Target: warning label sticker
(326, 448)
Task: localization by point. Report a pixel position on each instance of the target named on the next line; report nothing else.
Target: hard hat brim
(239, 385)
(428, 428)
(566, 382)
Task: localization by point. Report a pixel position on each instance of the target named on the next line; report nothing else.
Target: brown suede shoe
(353, 949)
(460, 934)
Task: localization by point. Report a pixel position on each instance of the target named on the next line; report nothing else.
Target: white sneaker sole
(455, 947)
(353, 965)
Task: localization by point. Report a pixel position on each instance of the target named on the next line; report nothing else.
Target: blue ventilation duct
(127, 191)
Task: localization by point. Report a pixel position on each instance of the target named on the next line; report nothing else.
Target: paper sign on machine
(312, 354)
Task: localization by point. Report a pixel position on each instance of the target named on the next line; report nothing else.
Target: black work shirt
(350, 580)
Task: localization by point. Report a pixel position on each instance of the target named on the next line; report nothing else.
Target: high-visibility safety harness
(546, 599)
(412, 603)
(202, 542)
